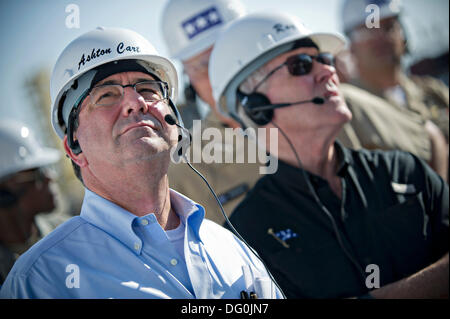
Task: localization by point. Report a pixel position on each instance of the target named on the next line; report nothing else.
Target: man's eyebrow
(109, 82)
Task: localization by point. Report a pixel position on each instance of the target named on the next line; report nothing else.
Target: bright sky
(33, 33)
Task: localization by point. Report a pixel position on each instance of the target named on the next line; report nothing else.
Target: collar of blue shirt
(119, 222)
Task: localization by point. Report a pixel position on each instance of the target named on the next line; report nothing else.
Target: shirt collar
(111, 218)
(118, 222)
(190, 212)
(294, 176)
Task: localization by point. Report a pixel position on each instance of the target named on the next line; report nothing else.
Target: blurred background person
(190, 28)
(417, 106)
(26, 190)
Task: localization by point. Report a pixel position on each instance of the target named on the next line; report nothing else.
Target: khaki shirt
(378, 124)
(230, 181)
(426, 96)
(430, 97)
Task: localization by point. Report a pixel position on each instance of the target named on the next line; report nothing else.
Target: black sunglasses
(300, 64)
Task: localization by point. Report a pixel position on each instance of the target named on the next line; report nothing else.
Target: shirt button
(136, 246)
(144, 222)
(173, 262)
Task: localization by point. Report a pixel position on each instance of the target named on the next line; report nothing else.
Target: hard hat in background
(20, 150)
(252, 41)
(83, 55)
(354, 12)
(191, 26)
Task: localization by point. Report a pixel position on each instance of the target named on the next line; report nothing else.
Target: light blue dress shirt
(108, 252)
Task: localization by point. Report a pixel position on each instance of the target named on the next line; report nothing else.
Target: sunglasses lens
(299, 64)
(326, 58)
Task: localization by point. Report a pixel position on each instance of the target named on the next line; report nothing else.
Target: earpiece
(184, 139)
(259, 109)
(74, 145)
(253, 100)
(7, 198)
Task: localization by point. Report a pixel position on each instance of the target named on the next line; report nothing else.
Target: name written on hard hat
(279, 27)
(95, 53)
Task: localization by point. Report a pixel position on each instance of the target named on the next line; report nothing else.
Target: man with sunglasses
(378, 52)
(135, 237)
(25, 192)
(331, 222)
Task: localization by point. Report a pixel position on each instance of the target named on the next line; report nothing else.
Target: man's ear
(79, 159)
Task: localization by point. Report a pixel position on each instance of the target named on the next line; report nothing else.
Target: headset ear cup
(253, 100)
(7, 198)
(184, 140)
(74, 145)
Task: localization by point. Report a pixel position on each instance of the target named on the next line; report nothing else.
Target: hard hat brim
(47, 156)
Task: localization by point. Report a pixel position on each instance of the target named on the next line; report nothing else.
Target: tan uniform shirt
(430, 97)
(230, 181)
(378, 124)
(424, 95)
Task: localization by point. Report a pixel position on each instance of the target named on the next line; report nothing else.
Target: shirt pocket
(401, 233)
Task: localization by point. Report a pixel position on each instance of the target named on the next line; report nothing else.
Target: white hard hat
(355, 12)
(191, 26)
(20, 150)
(96, 48)
(252, 41)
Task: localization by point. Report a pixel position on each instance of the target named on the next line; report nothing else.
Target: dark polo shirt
(393, 214)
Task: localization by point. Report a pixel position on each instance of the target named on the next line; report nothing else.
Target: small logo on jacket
(282, 236)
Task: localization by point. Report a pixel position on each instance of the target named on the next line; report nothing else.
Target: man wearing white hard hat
(190, 28)
(114, 108)
(331, 222)
(24, 191)
(378, 47)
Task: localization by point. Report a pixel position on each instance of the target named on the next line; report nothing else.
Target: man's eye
(147, 91)
(107, 98)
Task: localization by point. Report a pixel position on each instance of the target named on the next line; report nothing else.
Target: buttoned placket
(156, 245)
(199, 273)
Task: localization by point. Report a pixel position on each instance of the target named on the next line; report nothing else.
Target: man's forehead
(199, 57)
(306, 50)
(130, 77)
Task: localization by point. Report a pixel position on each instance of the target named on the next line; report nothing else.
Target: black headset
(259, 109)
(253, 100)
(7, 198)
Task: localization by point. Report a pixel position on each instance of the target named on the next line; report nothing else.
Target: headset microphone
(260, 110)
(184, 138)
(171, 121)
(317, 100)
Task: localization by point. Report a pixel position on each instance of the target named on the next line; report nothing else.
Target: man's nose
(133, 102)
(323, 72)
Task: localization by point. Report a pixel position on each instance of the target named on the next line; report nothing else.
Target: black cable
(236, 233)
(322, 206)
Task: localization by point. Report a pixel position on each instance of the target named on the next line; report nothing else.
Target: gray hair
(249, 84)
